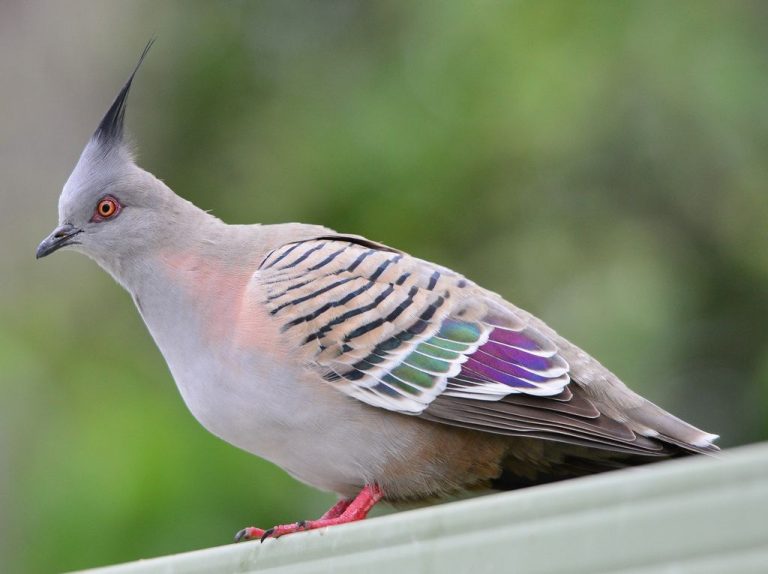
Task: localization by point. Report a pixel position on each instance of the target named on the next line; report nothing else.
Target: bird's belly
(314, 432)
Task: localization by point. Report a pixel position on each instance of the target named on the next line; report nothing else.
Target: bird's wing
(405, 335)
(396, 332)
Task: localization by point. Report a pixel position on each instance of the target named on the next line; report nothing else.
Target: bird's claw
(267, 534)
(250, 533)
(344, 511)
(283, 529)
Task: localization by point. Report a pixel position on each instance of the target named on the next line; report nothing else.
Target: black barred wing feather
(397, 332)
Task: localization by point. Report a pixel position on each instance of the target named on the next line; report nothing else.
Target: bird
(357, 368)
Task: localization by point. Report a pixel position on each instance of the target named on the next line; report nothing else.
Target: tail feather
(668, 428)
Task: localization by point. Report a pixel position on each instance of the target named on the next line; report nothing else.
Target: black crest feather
(110, 130)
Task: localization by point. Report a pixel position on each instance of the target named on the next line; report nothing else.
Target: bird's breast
(220, 344)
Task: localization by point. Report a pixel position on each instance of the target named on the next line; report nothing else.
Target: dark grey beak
(58, 238)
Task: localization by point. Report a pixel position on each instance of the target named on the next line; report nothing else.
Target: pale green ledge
(701, 515)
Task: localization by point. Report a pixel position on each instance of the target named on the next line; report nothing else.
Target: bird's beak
(58, 238)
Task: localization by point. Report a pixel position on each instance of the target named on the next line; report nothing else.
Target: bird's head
(109, 207)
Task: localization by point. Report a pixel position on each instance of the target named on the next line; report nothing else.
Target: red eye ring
(107, 208)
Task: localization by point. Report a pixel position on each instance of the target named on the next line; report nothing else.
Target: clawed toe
(267, 534)
(283, 529)
(250, 533)
(342, 512)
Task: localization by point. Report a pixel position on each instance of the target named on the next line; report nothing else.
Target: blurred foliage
(602, 164)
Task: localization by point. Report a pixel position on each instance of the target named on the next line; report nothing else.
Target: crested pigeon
(357, 368)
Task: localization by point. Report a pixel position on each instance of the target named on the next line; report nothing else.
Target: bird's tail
(654, 422)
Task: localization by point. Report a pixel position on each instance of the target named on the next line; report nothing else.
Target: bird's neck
(198, 265)
(186, 231)
(188, 290)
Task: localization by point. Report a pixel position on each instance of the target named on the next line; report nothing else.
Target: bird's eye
(106, 208)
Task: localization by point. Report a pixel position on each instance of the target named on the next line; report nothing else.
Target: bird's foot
(340, 513)
(249, 533)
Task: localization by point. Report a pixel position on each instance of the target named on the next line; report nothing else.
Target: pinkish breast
(230, 302)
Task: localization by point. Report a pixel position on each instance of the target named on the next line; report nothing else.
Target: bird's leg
(337, 509)
(340, 513)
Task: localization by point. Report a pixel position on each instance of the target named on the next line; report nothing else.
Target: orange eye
(106, 208)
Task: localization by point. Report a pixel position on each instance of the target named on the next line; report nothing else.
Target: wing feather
(397, 332)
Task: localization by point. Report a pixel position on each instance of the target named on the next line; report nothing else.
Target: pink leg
(337, 509)
(334, 511)
(340, 513)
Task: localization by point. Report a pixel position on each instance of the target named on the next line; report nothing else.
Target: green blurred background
(602, 164)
